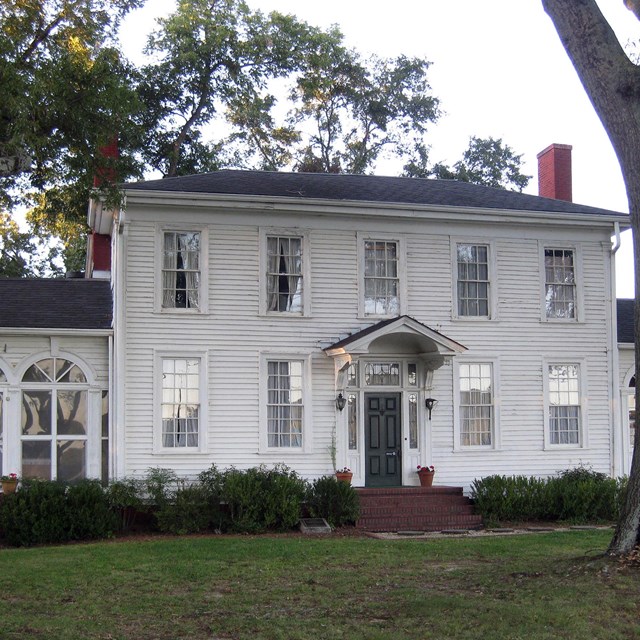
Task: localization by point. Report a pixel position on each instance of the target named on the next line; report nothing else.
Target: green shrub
(45, 512)
(259, 498)
(125, 499)
(575, 495)
(160, 486)
(190, 512)
(336, 502)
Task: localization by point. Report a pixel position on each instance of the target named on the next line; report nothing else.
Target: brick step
(421, 503)
(416, 508)
(411, 510)
(419, 523)
(412, 491)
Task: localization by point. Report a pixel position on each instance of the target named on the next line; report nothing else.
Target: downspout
(119, 331)
(617, 448)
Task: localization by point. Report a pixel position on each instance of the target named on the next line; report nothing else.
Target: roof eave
(369, 208)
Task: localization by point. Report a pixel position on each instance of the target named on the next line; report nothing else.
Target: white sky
(498, 69)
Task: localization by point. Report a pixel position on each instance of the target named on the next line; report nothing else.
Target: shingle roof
(344, 187)
(625, 320)
(55, 303)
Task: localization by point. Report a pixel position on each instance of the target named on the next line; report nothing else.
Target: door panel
(383, 443)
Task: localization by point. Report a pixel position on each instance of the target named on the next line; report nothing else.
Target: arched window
(54, 420)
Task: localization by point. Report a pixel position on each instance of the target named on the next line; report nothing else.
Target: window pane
(181, 270)
(476, 404)
(40, 372)
(180, 402)
(284, 274)
(560, 287)
(72, 412)
(36, 459)
(379, 374)
(36, 413)
(564, 404)
(352, 408)
(473, 280)
(381, 281)
(284, 403)
(71, 460)
(413, 421)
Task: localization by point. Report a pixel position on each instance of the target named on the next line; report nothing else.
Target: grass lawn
(551, 585)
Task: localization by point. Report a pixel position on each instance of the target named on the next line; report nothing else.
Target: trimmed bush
(190, 512)
(336, 502)
(575, 495)
(46, 512)
(125, 499)
(259, 498)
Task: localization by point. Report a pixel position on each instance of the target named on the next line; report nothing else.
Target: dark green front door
(382, 434)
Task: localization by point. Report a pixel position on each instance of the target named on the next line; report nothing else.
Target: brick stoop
(415, 509)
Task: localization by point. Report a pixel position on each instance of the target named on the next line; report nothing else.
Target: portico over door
(383, 440)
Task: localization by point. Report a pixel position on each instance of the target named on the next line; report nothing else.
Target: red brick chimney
(554, 172)
(99, 244)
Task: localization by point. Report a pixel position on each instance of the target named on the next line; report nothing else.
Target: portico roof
(400, 335)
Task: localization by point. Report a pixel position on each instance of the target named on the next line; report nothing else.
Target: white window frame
(496, 443)
(493, 285)
(577, 268)
(93, 436)
(267, 232)
(159, 357)
(583, 404)
(307, 408)
(402, 271)
(203, 293)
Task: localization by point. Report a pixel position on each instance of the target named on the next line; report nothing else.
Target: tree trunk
(612, 83)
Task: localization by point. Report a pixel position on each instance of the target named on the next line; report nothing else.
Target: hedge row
(576, 495)
(251, 501)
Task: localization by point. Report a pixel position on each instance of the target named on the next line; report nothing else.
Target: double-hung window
(560, 283)
(564, 404)
(180, 403)
(181, 274)
(381, 278)
(284, 274)
(477, 412)
(473, 284)
(285, 403)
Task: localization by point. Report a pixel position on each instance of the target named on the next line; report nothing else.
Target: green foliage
(190, 512)
(336, 502)
(125, 499)
(160, 486)
(20, 252)
(45, 512)
(575, 495)
(259, 499)
(488, 162)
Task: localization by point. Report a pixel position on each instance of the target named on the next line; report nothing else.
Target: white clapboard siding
(233, 334)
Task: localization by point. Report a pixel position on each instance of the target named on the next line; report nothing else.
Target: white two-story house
(324, 321)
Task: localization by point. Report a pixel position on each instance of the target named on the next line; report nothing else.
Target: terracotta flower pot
(426, 478)
(9, 486)
(344, 477)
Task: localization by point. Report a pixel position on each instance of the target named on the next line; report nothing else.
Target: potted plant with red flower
(426, 475)
(9, 483)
